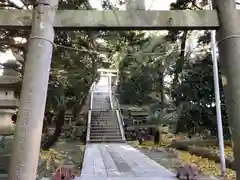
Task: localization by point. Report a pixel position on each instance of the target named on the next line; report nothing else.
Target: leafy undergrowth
(59, 155)
(53, 158)
(227, 150)
(205, 165)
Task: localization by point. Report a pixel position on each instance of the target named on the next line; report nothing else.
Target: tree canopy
(163, 69)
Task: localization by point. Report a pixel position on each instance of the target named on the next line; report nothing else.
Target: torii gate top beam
(117, 20)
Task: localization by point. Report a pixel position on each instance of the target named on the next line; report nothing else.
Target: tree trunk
(206, 153)
(157, 136)
(199, 142)
(181, 59)
(27, 139)
(178, 70)
(78, 116)
(161, 74)
(59, 124)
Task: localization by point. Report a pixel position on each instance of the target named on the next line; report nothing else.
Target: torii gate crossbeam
(117, 20)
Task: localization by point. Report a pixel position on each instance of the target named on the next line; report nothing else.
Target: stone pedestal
(7, 127)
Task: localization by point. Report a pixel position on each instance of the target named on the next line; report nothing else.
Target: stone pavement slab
(116, 161)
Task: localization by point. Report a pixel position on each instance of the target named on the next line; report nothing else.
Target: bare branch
(12, 4)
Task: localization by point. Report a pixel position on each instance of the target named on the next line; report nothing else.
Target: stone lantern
(10, 86)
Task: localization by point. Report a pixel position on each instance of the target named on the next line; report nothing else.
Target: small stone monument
(67, 128)
(68, 117)
(10, 86)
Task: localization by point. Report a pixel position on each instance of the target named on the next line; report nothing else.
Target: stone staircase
(101, 101)
(104, 126)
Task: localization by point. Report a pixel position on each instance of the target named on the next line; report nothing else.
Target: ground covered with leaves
(172, 158)
(64, 153)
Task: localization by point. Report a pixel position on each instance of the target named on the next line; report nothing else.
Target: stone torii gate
(225, 19)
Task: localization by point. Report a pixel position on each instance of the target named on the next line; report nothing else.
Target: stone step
(108, 125)
(105, 130)
(100, 113)
(104, 123)
(106, 141)
(97, 108)
(95, 114)
(103, 115)
(106, 137)
(104, 119)
(105, 127)
(103, 103)
(104, 111)
(97, 133)
(105, 134)
(114, 119)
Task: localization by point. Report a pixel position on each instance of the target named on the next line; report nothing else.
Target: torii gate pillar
(27, 139)
(228, 36)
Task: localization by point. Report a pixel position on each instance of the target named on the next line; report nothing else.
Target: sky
(149, 4)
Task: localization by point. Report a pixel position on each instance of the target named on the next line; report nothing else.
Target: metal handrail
(90, 112)
(116, 106)
(121, 127)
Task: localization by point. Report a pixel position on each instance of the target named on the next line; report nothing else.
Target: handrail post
(120, 125)
(89, 126)
(110, 90)
(91, 96)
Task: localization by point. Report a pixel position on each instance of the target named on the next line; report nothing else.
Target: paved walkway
(120, 162)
